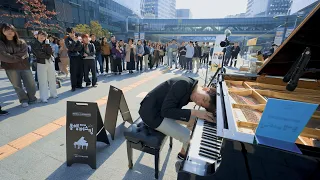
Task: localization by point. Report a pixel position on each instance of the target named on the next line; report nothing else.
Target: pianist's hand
(205, 115)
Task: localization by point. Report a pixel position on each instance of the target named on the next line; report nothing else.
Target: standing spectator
(206, 51)
(34, 64)
(14, 59)
(189, 56)
(197, 55)
(161, 54)
(98, 56)
(211, 51)
(55, 49)
(156, 55)
(112, 56)
(146, 54)
(64, 58)
(130, 55)
(117, 61)
(2, 112)
(234, 54)
(151, 55)
(140, 53)
(45, 67)
(88, 53)
(182, 56)
(76, 62)
(227, 55)
(123, 54)
(173, 51)
(105, 51)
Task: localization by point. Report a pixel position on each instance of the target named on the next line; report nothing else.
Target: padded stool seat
(139, 132)
(141, 137)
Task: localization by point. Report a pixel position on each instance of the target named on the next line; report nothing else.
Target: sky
(213, 8)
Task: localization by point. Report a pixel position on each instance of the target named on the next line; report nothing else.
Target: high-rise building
(278, 7)
(184, 14)
(303, 6)
(135, 5)
(256, 7)
(161, 9)
(268, 7)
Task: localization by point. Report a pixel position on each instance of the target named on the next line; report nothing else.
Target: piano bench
(143, 138)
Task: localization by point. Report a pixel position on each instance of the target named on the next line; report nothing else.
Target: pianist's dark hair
(213, 100)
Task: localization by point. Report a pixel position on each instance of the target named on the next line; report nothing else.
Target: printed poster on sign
(142, 36)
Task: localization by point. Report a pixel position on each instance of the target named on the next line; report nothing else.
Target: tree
(36, 14)
(94, 28)
(82, 28)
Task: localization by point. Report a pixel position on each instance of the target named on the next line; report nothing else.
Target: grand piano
(226, 150)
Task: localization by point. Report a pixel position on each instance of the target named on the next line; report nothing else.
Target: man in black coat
(162, 107)
(76, 62)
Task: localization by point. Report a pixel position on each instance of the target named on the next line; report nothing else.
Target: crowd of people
(85, 57)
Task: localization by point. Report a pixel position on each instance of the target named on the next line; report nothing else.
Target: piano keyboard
(204, 149)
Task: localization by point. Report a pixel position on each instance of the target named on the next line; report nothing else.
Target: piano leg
(156, 164)
(129, 151)
(170, 145)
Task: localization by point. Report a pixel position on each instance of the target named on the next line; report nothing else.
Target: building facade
(160, 9)
(259, 8)
(183, 14)
(137, 6)
(110, 14)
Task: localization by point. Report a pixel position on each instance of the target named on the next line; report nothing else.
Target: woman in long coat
(130, 55)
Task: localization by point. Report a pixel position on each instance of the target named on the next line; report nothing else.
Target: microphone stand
(221, 69)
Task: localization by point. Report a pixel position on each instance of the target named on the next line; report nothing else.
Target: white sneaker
(24, 105)
(54, 97)
(104, 73)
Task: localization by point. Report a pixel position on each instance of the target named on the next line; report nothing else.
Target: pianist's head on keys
(162, 108)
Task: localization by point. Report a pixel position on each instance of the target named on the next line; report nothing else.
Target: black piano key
(210, 145)
(217, 148)
(210, 150)
(209, 134)
(207, 156)
(210, 138)
(212, 142)
(209, 129)
(213, 154)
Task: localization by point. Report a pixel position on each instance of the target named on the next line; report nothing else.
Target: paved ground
(32, 140)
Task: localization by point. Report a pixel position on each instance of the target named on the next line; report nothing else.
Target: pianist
(162, 109)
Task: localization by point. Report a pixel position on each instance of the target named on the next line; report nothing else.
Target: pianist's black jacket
(166, 100)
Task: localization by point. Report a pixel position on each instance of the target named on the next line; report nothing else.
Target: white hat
(35, 33)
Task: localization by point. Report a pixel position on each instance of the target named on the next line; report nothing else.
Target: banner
(289, 31)
(252, 42)
(142, 36)
(279, 36)
(136, 37)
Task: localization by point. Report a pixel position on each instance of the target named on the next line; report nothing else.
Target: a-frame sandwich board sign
(116, 102)
(84, 128)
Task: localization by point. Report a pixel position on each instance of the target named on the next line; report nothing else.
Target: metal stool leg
(129, 152)
(156, 164)
(170, 145)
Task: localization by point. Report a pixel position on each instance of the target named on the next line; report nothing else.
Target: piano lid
(307, 34)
